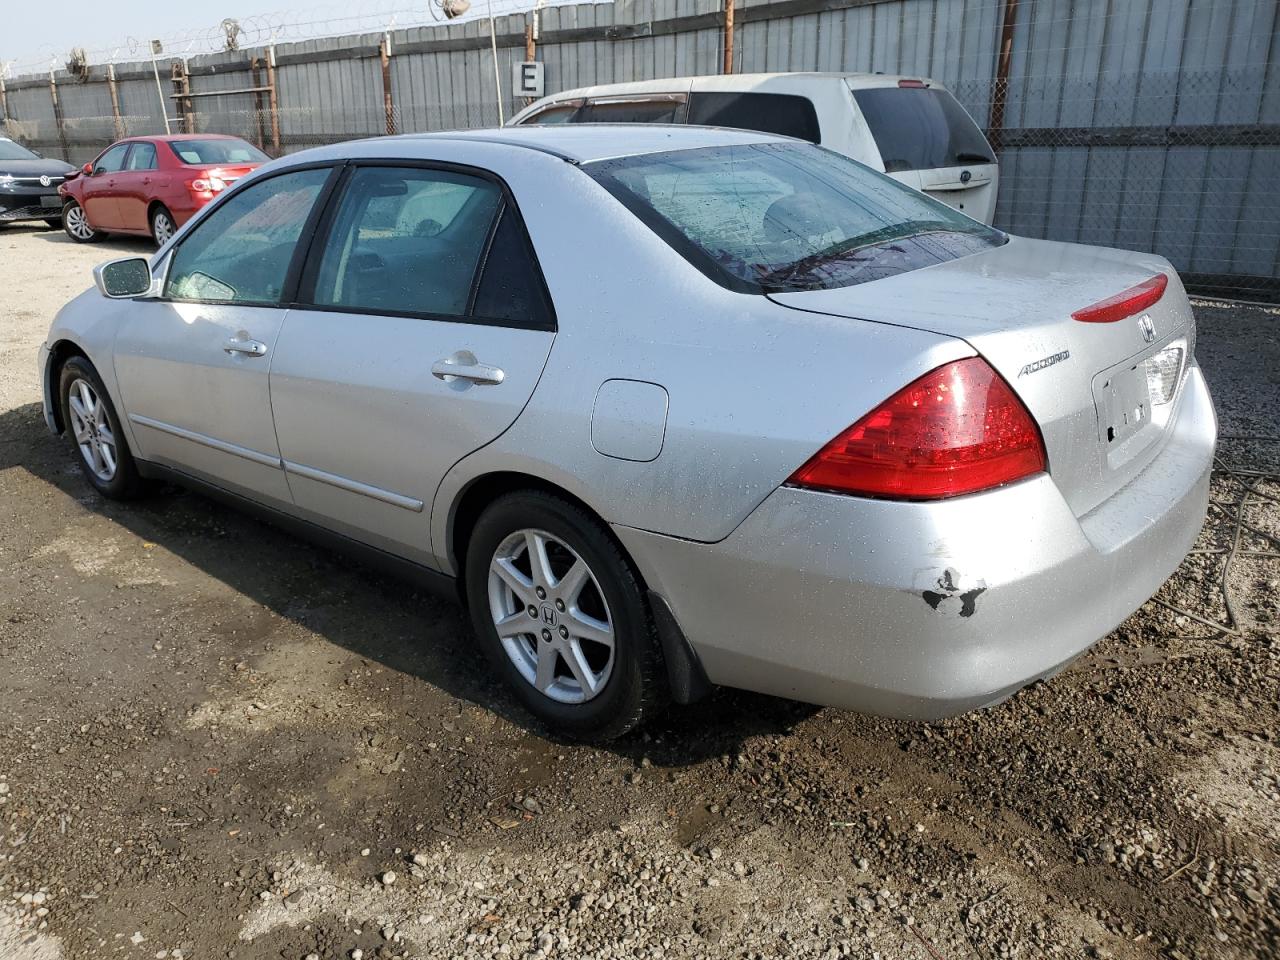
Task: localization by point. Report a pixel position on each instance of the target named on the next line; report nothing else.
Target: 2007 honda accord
(668, 407)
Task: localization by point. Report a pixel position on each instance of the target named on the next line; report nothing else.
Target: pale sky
(31, 31)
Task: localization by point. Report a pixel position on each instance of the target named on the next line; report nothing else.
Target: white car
(911, 128)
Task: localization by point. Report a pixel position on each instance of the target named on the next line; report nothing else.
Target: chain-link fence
(1149, 125)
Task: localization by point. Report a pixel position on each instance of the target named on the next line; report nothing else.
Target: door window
(113, 160)
(142, 157)
(240, 253)
(407, 241)
(782, 113)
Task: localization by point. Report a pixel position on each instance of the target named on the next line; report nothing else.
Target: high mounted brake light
(956, 430)
(1125, 303)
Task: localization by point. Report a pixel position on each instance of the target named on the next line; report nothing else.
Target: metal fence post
(259, 122)
(273, 99)
(1004, 59)
(117, 122)
(388, 103)
(57, 116)
(728, 37)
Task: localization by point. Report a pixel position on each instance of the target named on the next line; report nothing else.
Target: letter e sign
(528, 79)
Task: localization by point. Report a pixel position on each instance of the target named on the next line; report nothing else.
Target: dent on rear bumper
(926, 610)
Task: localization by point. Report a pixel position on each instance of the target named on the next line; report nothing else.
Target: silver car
(668, 407)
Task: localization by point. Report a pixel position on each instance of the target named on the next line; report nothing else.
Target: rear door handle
(464, 366)
(252, 348)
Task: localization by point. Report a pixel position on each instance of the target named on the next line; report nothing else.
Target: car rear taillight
(1125, 303)
(912, 83)
(206, 185)
(956, 430)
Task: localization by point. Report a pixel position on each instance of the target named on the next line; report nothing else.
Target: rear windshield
(217, 151)
(768, 217)
(783, 113)
(919, 128)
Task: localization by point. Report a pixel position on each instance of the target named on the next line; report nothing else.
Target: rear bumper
(924, 611)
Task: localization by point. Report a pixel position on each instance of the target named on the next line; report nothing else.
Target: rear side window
(511, 286)
(652, 110)
(919, 128)
(240, 252)
(407, 241)
(781, 113)
(142, 157)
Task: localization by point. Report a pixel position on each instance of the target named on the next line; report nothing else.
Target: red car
(150, 186)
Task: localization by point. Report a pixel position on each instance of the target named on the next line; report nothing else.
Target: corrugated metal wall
(1147, 124)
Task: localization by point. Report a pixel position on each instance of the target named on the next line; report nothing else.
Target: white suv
(910, 127)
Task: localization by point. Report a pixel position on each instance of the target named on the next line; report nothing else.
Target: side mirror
(88, 169)
(123, 279)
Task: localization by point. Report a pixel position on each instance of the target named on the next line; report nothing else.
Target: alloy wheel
(92, 430)
(551, 616)
(77, 223)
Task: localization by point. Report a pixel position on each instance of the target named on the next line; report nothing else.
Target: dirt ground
(219, 741)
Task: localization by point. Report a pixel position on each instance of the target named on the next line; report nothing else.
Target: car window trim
(306, 237)
(304, 293)
(680, 116)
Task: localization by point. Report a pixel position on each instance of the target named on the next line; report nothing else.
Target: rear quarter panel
(754, 389)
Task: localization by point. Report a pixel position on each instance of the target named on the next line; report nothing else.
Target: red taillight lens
(912, 83)
(1125, 303)
(206, 185)
(958, 429)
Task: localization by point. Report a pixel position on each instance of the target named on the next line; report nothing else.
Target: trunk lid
(1085, 383)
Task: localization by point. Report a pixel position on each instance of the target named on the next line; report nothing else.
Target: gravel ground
(219, 741)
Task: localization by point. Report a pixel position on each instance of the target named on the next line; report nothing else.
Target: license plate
(55, 201)
(1125, 403)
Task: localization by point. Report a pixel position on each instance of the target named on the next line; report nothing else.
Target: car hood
(1014, 305)
(36, 168)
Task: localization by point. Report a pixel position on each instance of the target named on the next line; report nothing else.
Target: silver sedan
(667, 408)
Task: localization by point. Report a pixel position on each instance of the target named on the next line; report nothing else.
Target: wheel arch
(59, 353)
(686, 678)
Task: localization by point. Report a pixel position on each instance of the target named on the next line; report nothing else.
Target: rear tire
(162, 225)
(75, 222)
(94, 428)
(586, 661)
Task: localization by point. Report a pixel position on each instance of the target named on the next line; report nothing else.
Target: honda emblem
(1148, 328)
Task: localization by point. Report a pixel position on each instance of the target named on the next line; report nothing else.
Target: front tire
(162, 226)
(77, 226)
(562, 617)
(91, 421)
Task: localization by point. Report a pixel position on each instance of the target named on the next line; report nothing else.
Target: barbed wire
(284, 26)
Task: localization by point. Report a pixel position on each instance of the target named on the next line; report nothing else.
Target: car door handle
(252, 348)
(464, 366)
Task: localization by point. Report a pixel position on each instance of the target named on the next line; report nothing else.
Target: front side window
(787, 216)
(781, 113)
(407, 240)
(240, 252)
(113, 160)
(920, 128)
(142, 157)
(199, 152)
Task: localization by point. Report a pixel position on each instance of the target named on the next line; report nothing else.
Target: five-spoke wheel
(91, 421)
(562, 615)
